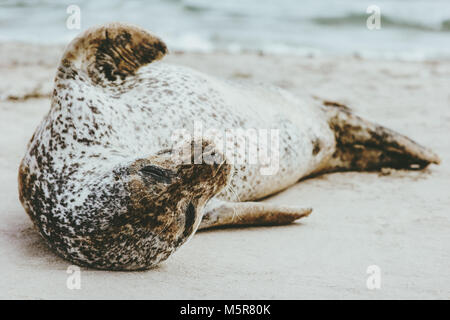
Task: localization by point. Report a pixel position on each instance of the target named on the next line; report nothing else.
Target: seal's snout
(206, 168)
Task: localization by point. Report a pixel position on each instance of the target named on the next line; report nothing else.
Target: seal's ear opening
(113, 52)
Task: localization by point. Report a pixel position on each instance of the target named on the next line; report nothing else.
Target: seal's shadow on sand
(248, 227)
(30, 245)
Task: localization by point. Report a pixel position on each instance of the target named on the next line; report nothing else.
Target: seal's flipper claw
(111, 52)
(250, 214)
(362, 145)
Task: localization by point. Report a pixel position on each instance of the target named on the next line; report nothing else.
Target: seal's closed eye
(157, 173)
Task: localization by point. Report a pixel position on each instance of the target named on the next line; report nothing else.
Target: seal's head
(164, 196)
(167, 195)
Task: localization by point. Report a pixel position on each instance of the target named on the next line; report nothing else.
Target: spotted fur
(98, 179)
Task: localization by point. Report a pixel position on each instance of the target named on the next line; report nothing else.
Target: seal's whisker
(230, 189)
(220, 166)
(235, 213)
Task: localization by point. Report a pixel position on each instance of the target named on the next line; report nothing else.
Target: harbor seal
(99, 178)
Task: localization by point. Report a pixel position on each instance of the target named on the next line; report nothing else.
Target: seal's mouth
(189, 220)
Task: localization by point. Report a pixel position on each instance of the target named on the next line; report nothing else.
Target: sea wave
(409, 29)
(356, 19)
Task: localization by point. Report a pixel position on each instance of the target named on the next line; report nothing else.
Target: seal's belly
(294, 139)
(283, 154)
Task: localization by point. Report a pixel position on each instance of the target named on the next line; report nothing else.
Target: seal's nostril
(189, 220)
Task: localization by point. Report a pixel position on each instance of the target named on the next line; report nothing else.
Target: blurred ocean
(410, 29)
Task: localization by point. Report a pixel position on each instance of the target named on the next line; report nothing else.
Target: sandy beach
(397, 220)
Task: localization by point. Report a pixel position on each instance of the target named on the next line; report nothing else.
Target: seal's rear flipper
(364, 146)
(227, 214)
(110, 52)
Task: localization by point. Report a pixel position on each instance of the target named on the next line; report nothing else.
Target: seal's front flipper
(110, 53)
(362, 145)
(221, 213)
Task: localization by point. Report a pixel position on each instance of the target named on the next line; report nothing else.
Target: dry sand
(399, 221)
